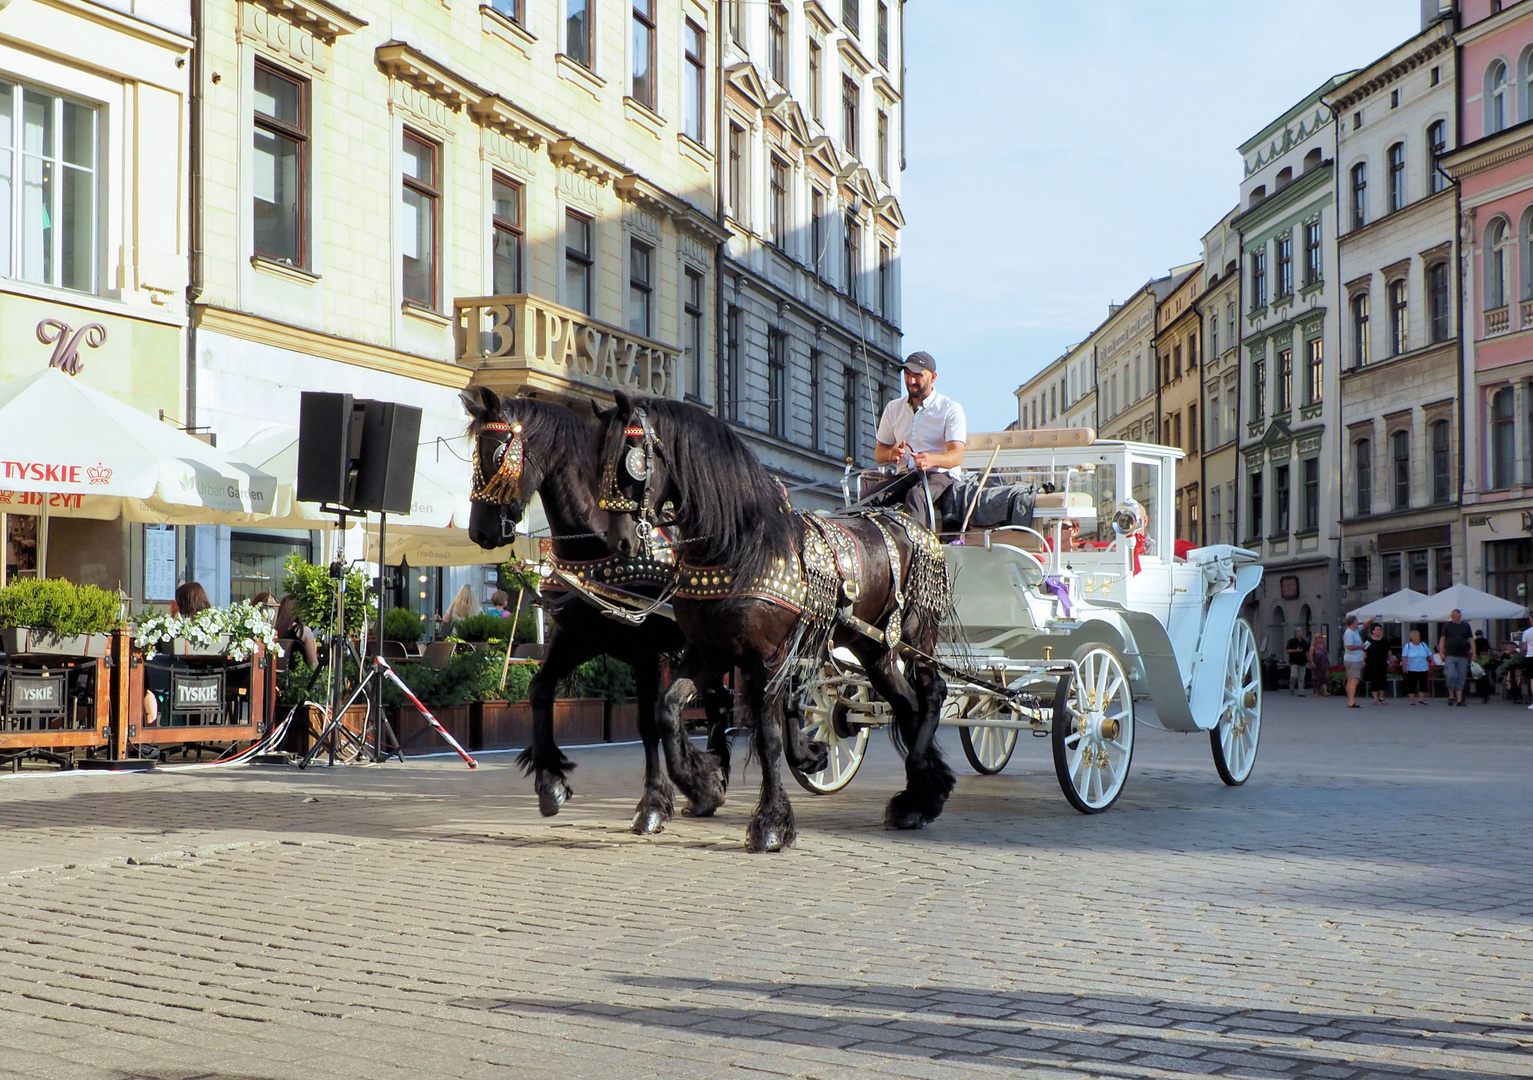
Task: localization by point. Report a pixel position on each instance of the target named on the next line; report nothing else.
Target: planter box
(417, 736)
(580, 720)
(504, 725)
(623, 721)
(22, 640)
(181, 647)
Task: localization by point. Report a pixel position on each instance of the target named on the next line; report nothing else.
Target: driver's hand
(920, 460)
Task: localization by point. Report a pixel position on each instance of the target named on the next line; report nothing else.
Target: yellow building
(1176, 348)
(93, 259)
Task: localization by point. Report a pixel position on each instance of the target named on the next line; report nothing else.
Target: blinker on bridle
(500, 487)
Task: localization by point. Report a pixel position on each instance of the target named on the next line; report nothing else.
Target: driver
(924, 430)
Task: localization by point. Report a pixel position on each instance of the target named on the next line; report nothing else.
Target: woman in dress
(1416, 659)
(1320, 665)
(1376, 663)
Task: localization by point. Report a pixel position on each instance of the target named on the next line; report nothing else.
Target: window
(1495, 265)
(853, 253)
(816, 406)
(694, 89)
(1284, 381)
(777, 41)
(280, 166)
(883, 34)
(1229, 320)
(818, 231)
(737, 171)
(849, 101)
(1311, 518)
(1503, 437)
(849, 412)
(1359, 195)
(1313, 271)
(644, 52)
(736, 15)
(1213, 336)
(1360, 567)
(1392, 578)
(1138, 384)
(1176, 431)
(641, 288)
(1192, 429)
(1284, 266)
(778, 206)
(883, 145)
(1215, 436)
(1360, 329)
(48, 222)
(1495, 98)
(1176, 361)
(1280, 499)
(729, 366)
(885, 281)
(1215, 515)
(1420, 565)
(506, 238)
(1231, 416)
(777, 383)
(1400, 470)
(1314, 371)
(1442, 477)
(1192, 352)
(850, 14)
(693, 339)
(1444, 569)
(816, 81)
(577, 31)
(1437, 301)
(1399, 318)
(511, 9)
(1362, 460)
(1254, 521)
(1396, 177)
(1258, 280)
(422, 197)
(577, 261)
(1258, 389)
(1437, 145)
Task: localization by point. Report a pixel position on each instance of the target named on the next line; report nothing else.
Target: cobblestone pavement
(1361, 908)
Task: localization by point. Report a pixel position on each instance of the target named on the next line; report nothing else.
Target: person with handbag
(1416, 659)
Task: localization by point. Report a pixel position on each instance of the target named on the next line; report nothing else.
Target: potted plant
(237, 631)
(314, 590)
(403, 627)
(58, 617)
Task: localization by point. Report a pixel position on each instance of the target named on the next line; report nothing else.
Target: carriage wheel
(987, 748)
(824, 716)
(1240, 721)
(1093, 730)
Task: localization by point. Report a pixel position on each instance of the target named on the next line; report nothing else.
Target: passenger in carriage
(924, 431)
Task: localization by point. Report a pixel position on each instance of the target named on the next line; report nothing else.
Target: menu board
(159, 562)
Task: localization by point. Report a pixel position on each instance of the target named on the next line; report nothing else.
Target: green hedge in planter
(488, 627)
(602, 677)
(59, 606)
(402, 624)
(471, 675)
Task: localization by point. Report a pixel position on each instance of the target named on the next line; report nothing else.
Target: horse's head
(634, 474)
(505, 474)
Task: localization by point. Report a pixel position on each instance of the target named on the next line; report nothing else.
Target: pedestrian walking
(1376, 663)
(1453, 647)
(1416, 658)
(1298, 660)
(1320, 665)
(1527, 653)
(1352, 659)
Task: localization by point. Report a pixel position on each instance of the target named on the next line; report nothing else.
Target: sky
(1060, 155)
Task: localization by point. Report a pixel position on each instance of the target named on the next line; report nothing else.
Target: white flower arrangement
(244, 624)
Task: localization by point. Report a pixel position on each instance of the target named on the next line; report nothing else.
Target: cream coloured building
(1177, 337)
(93, 256)
(1219, 376)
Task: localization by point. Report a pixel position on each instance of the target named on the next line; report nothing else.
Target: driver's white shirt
(928, 430)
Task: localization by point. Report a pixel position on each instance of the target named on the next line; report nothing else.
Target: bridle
(638, 463)
(501, 486)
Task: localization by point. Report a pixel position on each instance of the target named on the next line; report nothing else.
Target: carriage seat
(1072, 505)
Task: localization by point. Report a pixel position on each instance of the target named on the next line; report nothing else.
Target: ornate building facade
(1178, 335)
(1219, 378)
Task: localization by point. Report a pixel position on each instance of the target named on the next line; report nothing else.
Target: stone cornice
(1393, 66)
(1281, 200)
(1491, 152)
(638, 191)
(498, 114)
(889, 210)
(323, 20)
(853, 56)
(790, 115)
(815, 12)
(571, 155)
(405, 63)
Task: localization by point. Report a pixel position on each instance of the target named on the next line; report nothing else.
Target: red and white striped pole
(440, 730)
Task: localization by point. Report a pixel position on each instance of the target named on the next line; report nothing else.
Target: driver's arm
(883, 453)
(951, 458)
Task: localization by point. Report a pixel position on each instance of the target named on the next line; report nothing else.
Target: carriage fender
(1144, 647)
(1208, 662)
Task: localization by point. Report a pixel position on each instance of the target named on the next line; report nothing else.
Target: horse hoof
(905, 819)
(700, 810)
(768, 840)
(648, 822)
(552, 797)
(818, 759)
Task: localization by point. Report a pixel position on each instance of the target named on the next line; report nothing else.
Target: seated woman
(191, 599)
(290, 627)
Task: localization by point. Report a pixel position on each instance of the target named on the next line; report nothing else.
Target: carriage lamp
(1342, 577)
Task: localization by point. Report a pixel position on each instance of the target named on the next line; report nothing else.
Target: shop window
(1393, 570)
(1361, 564)
(257, 562)
(1420, 563)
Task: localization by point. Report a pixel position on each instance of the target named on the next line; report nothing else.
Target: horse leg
(543, 759)
(928, 780)
(719, 704)
(657, 803)
(802, 753)
(697, 774)
(771, 827)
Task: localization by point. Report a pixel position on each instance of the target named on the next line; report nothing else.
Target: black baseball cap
(920, 361)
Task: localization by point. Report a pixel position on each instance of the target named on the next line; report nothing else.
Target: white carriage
(1079, 645)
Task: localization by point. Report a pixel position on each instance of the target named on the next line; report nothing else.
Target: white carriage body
(1020, 599)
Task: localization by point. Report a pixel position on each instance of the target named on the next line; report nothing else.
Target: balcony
(1526, 314)
(552, 348)
(1497, 321)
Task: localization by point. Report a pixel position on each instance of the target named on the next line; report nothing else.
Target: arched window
(1397, 177)
(1360, 329)
(1284, 177)
(1258, 193)
(1495, 265)
(1359, 195)
(1313, 159)
(1496, 118)
(1442, 477)
(1525, 83)
(1399, 317)
(1503, 437)
(1437, 145)
(1362, 457)
(1400, 470)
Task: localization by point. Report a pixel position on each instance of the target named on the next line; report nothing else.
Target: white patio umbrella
(68, 450)
(1471, 602)
(1396, 607)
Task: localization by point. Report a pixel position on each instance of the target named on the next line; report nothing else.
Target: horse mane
(562, 426)
(725, 499)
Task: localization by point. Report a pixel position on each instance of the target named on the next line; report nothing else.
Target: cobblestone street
(1361, 908)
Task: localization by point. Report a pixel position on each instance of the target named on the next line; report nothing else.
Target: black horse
(766, 590)
(522, 446)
